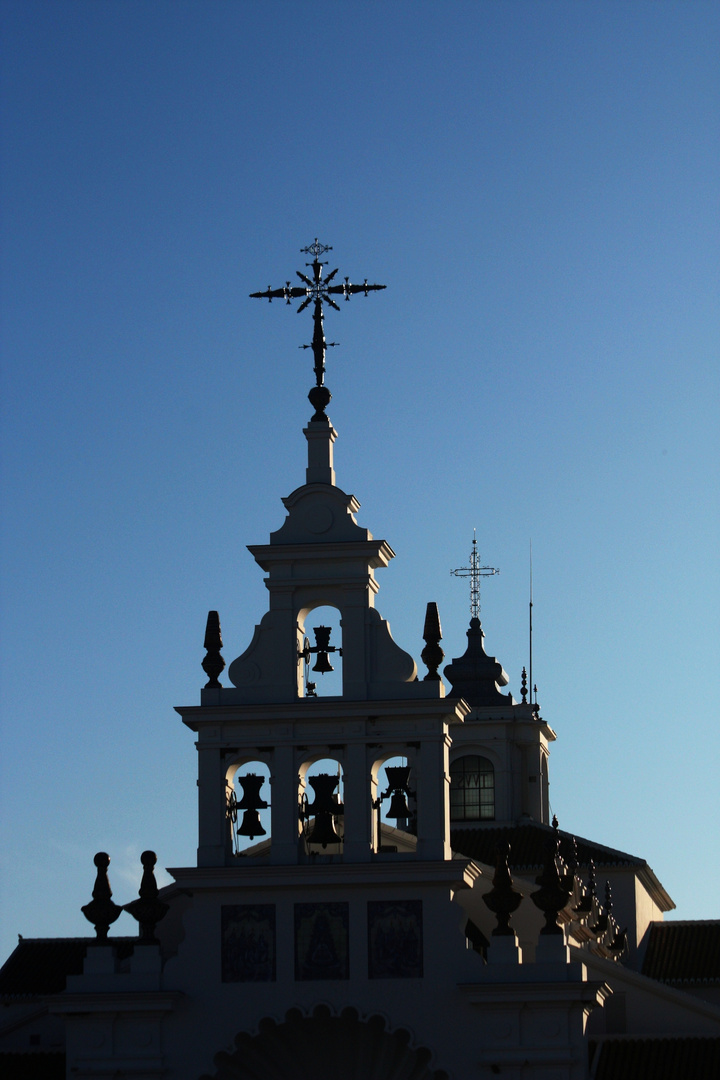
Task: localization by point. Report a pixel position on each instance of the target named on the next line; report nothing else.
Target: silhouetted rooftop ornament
(586, 903)
(317, 290)
(476, 676)
(102, 911)
(502, 898)
(213, 663)
(475, 571)
(603, 920)
(553, 894)
(432, 655)
(148, 910)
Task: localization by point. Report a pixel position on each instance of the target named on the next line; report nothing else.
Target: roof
(41, 965)
(656, 1059)
(527, 846)
(685, 952)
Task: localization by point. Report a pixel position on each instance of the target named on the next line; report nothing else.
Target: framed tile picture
(321, 941)
(395, 939)
(248, 943)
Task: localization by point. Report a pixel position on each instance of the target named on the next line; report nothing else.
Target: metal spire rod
(318, 291)
(531, 626)
(475, 571)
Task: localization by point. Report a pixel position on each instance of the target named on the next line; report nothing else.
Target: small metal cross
(317, 290)
(475, 571)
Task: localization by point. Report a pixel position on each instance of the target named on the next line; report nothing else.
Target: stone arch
(253, 764)
(325, 614)
(327, 1046)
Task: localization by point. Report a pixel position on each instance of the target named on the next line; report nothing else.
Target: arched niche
(324, 1045)
(321, 806)
(247, 786)
(393, 789)
(320, 634)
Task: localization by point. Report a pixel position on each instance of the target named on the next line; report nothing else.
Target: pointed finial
(588, 893)
(213, 663)
(604, 917)
(503, 899)
(553, 894)
(432, 655)
(148, 910)
(102, 911)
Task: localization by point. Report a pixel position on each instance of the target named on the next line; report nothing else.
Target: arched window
(322, 652)
(472, 789)
(248, 808)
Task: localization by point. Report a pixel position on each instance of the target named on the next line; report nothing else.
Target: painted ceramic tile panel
(248, 943)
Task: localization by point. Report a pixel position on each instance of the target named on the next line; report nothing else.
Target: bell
(251, 784)
(323, 664)
(251, 825)
(323, 831)
(325, 806)
(399, 808)
(323, 648)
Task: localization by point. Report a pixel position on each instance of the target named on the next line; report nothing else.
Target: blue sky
(537, 186)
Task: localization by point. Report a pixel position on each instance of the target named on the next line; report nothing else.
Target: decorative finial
(524, 687)
(318, 291)
(148, 910)
(213, 663)
(102, 911)
(432, 655)
(502, 898)
(475, 571)
(553, 894)
(603, 920)
(586, 903)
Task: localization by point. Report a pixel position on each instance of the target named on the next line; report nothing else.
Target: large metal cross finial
(475, 571)
(317, 290)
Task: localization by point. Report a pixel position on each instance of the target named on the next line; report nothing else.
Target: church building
(379, 892)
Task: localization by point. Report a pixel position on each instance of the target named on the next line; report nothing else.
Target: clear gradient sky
(537, 185)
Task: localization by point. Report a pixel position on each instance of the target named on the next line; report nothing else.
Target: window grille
(472, 789)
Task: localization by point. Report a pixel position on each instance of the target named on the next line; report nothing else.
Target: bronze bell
(251, 825)
(322, 664)
(323, 831)
(324, 807)
(399, 808)
(323, 648)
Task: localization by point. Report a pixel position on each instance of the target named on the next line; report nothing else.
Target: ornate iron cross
(475, 571)
(317, 290)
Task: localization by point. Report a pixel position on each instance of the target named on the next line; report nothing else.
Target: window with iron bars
(472, 789)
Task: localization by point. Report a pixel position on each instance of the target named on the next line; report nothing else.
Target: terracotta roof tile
(41, 965)
(527, 846)
(683, 952)
(657, 1059)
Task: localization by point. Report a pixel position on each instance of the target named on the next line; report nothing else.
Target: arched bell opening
(321, 808)
(394, 803)
(320, 651)
(247, 785)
